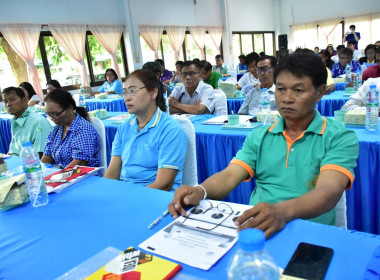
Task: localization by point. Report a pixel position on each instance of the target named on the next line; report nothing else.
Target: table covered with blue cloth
(216, 147)
(332, 102)
(87, 217)
(115, 104)
(234, 104)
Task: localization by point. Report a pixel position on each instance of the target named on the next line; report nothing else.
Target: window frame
(252, 33)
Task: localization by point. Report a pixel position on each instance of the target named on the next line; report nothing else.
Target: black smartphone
(309, 261)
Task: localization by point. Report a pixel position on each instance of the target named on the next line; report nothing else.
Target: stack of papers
(243, 119)
(201, 239)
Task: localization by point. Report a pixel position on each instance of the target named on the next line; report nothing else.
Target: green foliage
(55, 54)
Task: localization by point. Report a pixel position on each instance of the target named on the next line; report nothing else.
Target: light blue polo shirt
(162, 143)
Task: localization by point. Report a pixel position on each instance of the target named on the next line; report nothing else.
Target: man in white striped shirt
(194, 97)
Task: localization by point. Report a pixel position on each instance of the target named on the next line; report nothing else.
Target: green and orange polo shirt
(286, 169)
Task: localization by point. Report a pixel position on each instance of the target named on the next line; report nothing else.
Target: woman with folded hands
(74, 140)
(149, 149)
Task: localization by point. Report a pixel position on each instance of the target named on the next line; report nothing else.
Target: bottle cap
(27, 144)
(251, 239)
(264, 89)
(372, 86)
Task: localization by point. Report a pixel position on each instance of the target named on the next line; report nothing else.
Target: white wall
(294, 12)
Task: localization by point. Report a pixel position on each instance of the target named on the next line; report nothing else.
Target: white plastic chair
(99, 126)
(341, 212)
(220, 103)
(189, 173)
(246, 89)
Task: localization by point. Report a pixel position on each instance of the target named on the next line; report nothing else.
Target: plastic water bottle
(166, 102)
(81, 101)
(357, 80)
(252, 261)
(372, 107)
(265, 107)
(220, 83)
(348, 73)
(34, 179)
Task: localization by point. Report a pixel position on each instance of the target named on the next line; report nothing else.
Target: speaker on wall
(283, 42)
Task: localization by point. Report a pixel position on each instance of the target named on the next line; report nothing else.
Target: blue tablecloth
(331, 102)
(234, 104)
(5, 133)
(340, 86)
(111, 104)
(84, 219)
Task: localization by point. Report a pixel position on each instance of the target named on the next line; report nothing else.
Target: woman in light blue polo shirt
(112, 85)
(149, 149)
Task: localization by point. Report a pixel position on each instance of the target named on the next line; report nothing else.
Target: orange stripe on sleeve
(245, 166)
(341, 170)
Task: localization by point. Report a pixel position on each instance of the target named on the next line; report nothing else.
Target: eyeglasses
(133, 91)
(54, 115)
(266, 69)
(190, 74)
(220, 213)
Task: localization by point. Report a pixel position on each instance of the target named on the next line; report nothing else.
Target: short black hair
(19, 92)
(218, 56)
(192, 62)
(241, 56)
(155, 67)
(54, 83)
(353, 26)
(160, 61)
(316, 48)
(339, 47)
(196, 60)
(369, 47)
(29, 88)
(252, 57)
(352, 42)
(303, 64)
(377, 49)
(272, 60)
(347, 51)
(179, 62)
(205, 65)
(113, 71)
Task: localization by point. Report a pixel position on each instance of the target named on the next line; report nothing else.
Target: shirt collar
(153, 121)
(198, 89)
(22, 119)
(272, 88)
(317, 125)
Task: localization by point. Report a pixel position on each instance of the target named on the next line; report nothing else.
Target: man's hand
(184, 196)
(270, 218)
(173, 102)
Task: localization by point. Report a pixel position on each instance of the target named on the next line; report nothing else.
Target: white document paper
(120, 117)
(199, 240)
(224, 119)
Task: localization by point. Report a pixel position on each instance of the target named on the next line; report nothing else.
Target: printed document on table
(224, 119)
(199, 240)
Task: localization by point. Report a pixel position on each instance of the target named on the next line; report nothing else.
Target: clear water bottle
(265, 106)
(81, 100)
(348, 73)
(372, 107)
(252, 261)
(357, 80)
(166, 102)
(220, 83)
(34, 178)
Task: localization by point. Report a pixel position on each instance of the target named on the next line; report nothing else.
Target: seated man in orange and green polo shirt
(302, 164)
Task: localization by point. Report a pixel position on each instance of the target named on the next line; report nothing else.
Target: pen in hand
(156, 221)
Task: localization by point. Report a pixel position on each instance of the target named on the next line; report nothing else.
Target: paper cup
(233, 119)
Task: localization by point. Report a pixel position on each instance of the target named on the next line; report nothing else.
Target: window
(52, 62)
(247, 42)
(189, 50)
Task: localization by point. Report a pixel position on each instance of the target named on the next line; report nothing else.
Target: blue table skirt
(111, 104)
(328, 104)
(234, 104)
(5, 133)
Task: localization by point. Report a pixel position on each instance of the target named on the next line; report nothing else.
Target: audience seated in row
(374, 70)
(112, 85)
(221, 67)
(194, 96)
(177, 73)
(30, 93)
(251, 77)
(265, 66)
(209, 77)
(166, 75)
(300, 163)
(242, 65)
(149, 149)
(73, 140)
(156, 68)
(345, 57)
(26, 125)
(369, 55)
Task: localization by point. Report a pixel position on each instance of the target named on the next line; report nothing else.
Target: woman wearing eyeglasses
(73, 141)
(112, 85)
(149, 149)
